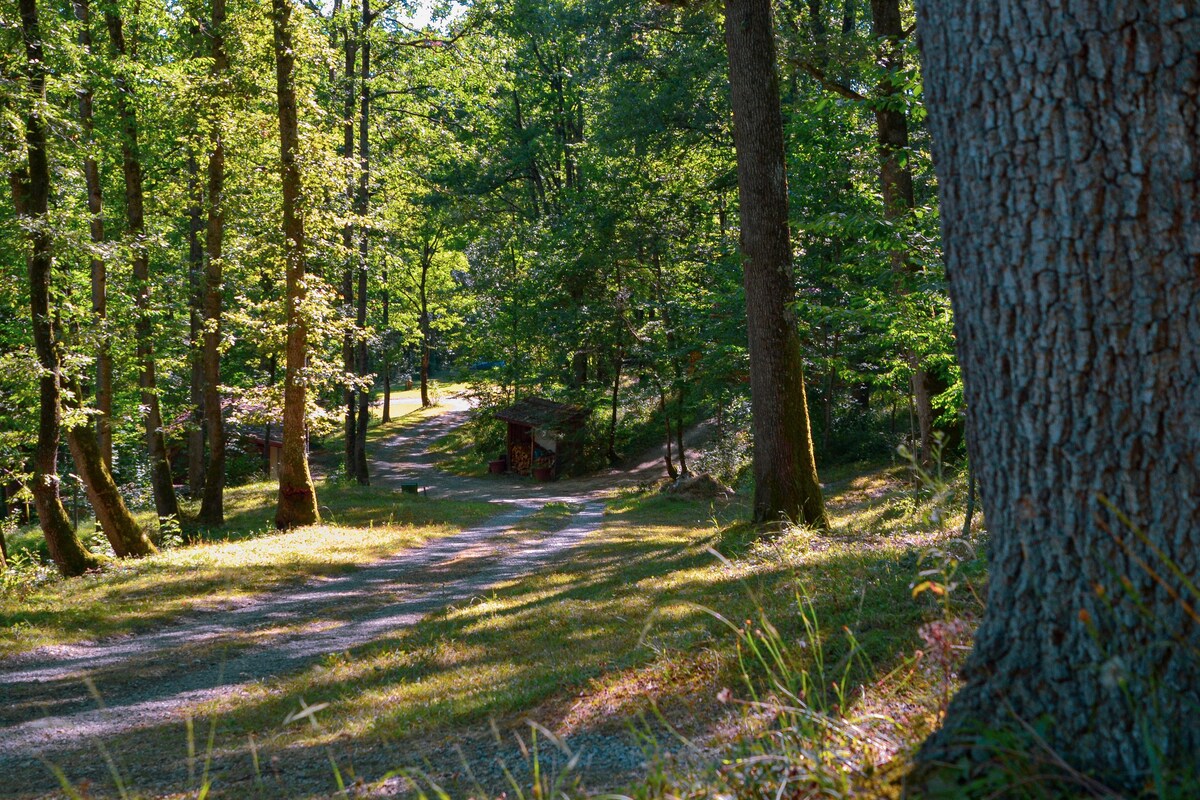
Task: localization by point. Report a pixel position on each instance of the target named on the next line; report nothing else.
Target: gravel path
(152, 682)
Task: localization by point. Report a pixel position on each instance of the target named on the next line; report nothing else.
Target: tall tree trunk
(297, 498)
(212, 506)
(362, 206)
(272, 370)
(387, 365)
(423, 322)
(349, 397)
(99, 267)
(160, 468)
(31, 199)
(677, 369)
(785, 471)
(672, 473)
(679, 406)
(660, 295)
(195, 466)
(616, 393)
(1067, 145)
(896, 183)
(92, 450)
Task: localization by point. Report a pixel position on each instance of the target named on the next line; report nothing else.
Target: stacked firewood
(519, 459)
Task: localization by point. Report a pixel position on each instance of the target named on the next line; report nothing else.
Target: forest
(595, 398)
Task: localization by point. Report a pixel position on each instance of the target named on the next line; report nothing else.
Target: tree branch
(829, 83)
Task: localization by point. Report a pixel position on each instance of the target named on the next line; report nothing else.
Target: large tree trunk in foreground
(1068, 156)
(297, 498)
(165, 502)
(31, 198)
(785, 471)
(212, 505)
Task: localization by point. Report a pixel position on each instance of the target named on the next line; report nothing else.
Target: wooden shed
(275, 449)
(543, 436)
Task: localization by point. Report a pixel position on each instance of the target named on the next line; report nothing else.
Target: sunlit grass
(635, 622)
(360, 525)
(620, 627)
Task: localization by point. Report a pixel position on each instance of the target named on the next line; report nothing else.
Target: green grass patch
(457, 454)
(360, 524)
(664, 611)
(642, 616)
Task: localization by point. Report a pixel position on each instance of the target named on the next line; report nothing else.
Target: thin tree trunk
(92, 450)
(672, 473)
(682, 451)
(616, 393)
(785, 471)
(195, 466)
(896, 182)
(99, 267)
(1066, 143)
(272, 367)
(350, 397)
(297, 497)
(31, 199)
(160, 469)
(423, 322)
(212, 506)
(362, 207)
(387, 366)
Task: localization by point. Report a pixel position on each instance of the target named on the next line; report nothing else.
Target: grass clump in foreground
(246, 556)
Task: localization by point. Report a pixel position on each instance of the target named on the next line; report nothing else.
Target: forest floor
(580, 605)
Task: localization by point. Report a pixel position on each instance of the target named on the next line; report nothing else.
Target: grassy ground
(657, 615)
(674, 611)
(249, 556)
(456, 454)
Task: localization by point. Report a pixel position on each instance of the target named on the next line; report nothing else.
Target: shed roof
(543, 414)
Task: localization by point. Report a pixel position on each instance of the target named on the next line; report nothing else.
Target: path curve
(206, 656)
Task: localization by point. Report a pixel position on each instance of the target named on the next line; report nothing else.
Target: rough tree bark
(31, 198)
(99, 267)
(785, 471)
(212, 505)
(165, 502)
(297, 503)
(1067, 148)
